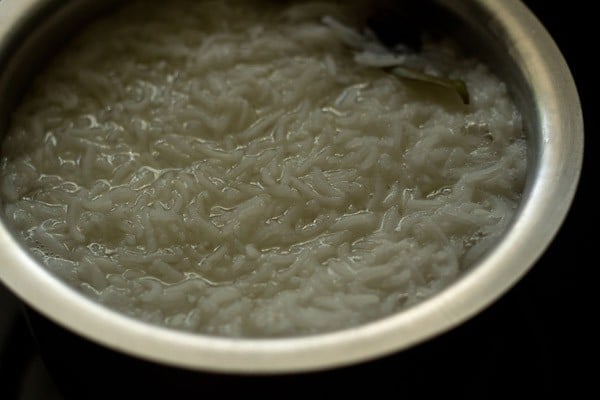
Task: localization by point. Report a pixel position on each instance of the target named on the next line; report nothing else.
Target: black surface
(535, 340)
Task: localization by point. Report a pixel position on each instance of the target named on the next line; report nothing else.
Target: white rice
(227, 167)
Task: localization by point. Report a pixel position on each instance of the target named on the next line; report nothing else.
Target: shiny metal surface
(504, 32)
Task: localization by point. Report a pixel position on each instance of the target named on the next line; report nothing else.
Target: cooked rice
(229, 168)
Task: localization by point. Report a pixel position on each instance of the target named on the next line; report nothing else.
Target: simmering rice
(234, 168)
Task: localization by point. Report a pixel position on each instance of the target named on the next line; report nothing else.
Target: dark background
(536, 340)
(562, 283)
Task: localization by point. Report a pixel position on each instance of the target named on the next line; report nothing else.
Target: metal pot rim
(550, 194)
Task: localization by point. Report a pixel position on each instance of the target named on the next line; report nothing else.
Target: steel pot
(506, 34)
